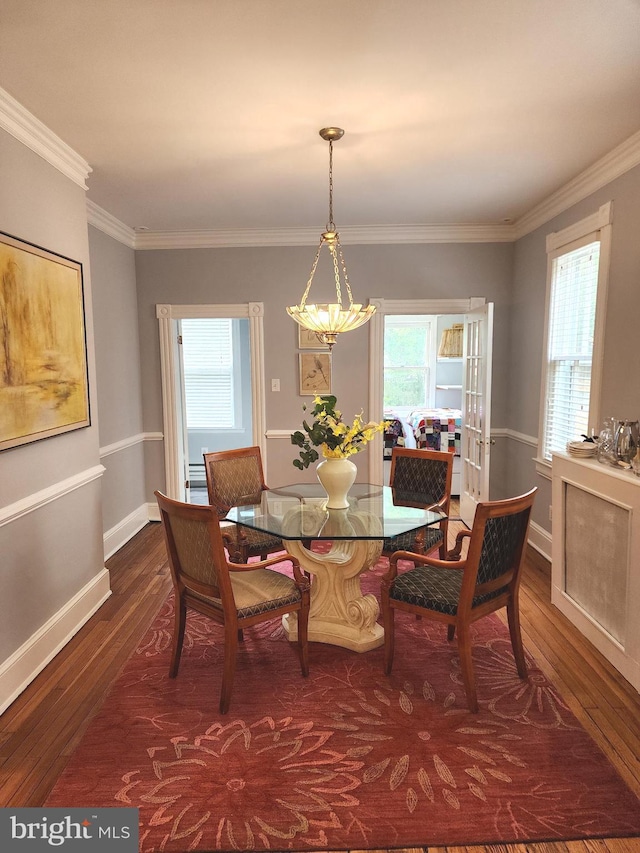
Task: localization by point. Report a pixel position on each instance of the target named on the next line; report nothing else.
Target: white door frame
(167, 315)
(376, 353)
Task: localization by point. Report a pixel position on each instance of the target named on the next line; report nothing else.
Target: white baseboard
(153, 512)
(120, 533)
(19, 670)
(540, 539)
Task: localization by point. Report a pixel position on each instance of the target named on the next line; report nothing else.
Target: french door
(476, 441)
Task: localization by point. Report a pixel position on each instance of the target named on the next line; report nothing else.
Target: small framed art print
(315, 373)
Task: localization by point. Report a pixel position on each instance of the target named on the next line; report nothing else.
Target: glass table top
(298, 512)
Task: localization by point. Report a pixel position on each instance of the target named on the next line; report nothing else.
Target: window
(577, 270)
(408, 362)
(210, 362)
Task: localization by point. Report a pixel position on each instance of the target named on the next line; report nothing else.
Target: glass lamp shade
(328, 320)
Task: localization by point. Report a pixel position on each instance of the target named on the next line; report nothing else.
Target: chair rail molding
(280, 433)
(167, 316)
(504, 432)
(16, 510)
(131, 441)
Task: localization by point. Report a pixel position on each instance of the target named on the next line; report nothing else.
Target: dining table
(334, 547)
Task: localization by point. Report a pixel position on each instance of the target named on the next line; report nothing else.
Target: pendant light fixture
(328, 320)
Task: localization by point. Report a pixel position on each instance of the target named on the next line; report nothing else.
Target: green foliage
(319, 432)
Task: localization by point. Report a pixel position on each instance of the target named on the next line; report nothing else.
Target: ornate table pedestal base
(340, 614)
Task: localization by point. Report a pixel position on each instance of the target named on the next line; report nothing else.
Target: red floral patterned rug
(348, 758)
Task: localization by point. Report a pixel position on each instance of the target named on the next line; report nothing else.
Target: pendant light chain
(331, 227)
(330, 224)
(303, 301)
(328, 320)
(344, 273)
(336, 271)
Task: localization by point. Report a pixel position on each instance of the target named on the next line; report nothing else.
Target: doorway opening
(475, 440)
(423, 386)
(215, 366)
(213, 396)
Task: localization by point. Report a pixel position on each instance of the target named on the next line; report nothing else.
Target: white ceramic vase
(336, 477)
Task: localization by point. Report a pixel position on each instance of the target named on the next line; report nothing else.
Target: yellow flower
(328, 431)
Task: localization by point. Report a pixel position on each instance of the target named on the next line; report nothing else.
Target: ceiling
(204, 114)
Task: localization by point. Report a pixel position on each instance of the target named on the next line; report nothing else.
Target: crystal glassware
(605, 441)
(626, 441)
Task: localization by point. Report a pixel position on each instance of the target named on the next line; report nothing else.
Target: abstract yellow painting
(44, 389)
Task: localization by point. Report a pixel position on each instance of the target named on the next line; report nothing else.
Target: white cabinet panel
(596, 557)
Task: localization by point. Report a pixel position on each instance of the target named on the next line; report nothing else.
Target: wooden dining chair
(233, 594)
(460, 591)
(423, 478)
(235, 478)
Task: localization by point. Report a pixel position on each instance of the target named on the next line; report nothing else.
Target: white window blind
(207, 356)
(572, 317)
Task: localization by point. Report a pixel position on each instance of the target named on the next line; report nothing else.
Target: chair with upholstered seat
(457, 591)
(235, 478)
(232, 594)
(421, 478)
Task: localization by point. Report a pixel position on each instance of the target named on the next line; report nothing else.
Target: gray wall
(117, 351)
(276, 277)
(48, 553)
(621, 366)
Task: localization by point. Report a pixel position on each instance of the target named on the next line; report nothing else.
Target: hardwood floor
(41, 729)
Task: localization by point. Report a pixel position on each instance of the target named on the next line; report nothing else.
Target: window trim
(594, 227)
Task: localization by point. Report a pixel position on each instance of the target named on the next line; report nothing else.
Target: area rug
(347, 758)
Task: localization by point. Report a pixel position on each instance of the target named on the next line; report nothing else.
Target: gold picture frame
(315, 373)
(309, 340)
(44, 384)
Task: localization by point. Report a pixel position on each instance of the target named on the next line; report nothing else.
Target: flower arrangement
(328, 431)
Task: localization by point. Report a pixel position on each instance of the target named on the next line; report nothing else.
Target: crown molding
(108, 224)
(227, 238)
(618, 161)
(354, 235)
(462, 233)
(26, 128)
